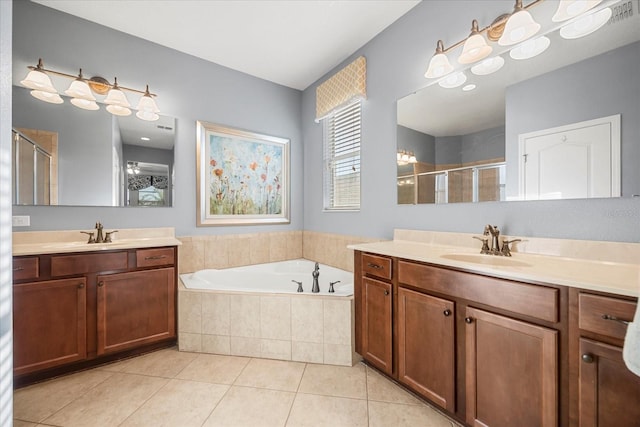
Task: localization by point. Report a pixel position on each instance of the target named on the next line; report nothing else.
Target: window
(342, 159)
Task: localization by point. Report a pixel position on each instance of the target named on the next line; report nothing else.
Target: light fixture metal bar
(500, 20)
(73, 77)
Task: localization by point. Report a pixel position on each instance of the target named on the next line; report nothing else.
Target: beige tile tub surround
(301, 328)
(331, 249)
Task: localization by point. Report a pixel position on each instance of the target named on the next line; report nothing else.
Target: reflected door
(576, 161)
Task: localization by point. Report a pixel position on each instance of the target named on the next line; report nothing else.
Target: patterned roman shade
(344, 87)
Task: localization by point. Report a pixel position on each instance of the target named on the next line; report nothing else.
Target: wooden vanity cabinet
(486, 350)
(79, 309)
(608, 394)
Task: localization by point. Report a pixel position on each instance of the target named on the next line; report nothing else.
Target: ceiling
(292, 42)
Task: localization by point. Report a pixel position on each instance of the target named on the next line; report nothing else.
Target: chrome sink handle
(506, 251)
(90, 234)
(107, 236)
(485, 244)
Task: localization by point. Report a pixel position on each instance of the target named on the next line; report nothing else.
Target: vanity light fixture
(586, 25)
(520, 26)
(568, 9)
(439, 65)
(530, 48)
(488, 66)
(133, 168)
(405, 157)
(476, 47)
(82, 93)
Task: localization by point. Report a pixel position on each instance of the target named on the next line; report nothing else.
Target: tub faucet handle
(331, 285)
(299, 285)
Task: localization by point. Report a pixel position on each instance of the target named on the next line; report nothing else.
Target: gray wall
(84, 149)
(188, 88)
(601, 86)
(6, 339)
(396, 61)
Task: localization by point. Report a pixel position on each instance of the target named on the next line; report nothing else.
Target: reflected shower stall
(31, 172)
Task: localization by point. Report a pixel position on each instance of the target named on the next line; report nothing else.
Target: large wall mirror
(563, 124)
(66, 156)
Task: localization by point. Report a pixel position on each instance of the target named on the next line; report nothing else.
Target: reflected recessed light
(469, 87)
(454, 80)
(144, 138)
(488, 66)
(586, 25)
(530, 48)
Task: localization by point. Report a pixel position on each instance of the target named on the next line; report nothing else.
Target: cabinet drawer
(26, 268)
(598, 314)
(154, 257)
(377, 266)
(530, 300)
(65, 265)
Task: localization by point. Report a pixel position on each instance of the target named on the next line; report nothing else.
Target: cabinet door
(609, 392)
(426, 335)
(49, 324)
(135, 308)
(511, 372)
(376, 323)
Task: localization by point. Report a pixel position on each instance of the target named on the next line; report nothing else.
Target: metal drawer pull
(18, 269)
(80, 285)
(100, 284)
(155, 257)
(386, 292)
(447, 312)
(376, 266)
(468, 320)
(615, 319)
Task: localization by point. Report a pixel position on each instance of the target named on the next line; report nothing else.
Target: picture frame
(242, 177)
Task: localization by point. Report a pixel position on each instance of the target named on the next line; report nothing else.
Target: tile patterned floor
(171, 388)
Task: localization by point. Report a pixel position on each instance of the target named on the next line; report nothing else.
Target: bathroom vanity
(77, 304)
(528, 340)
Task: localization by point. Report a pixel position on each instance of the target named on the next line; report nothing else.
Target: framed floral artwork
(242, 177)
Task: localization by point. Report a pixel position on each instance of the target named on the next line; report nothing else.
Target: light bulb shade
(568, 9)
(454, 80)
(117, 97)
(147, 104)
(52, 98)
(118, 110)
(85, 104)
(530, 48)
(585, 25)
(475, 49)
(520, 27)
(80, 89)
(488, 66)
(438, 66)
(38, 80)
(148, 116)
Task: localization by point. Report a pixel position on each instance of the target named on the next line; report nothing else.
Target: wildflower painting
(242, 177)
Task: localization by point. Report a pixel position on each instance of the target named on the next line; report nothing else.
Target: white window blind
(342, 159)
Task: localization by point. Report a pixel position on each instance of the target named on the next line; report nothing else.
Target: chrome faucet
(316, 287)
(495, 233)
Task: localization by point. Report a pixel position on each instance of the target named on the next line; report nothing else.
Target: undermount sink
(486, 260)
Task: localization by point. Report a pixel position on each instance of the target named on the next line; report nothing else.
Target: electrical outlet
(21, 220)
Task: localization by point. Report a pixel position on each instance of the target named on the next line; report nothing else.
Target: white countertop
(49, 242)
(603, 276)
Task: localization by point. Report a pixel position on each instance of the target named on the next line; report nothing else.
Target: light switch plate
(21, 220)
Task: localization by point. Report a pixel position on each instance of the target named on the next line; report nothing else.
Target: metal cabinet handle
(100, 284)
(80, 285)
(386, 292)
(615, 319)
(447, 312)
(376, 266)
(468, 319)
(587, 358)
(18, 269)
(155, 257)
